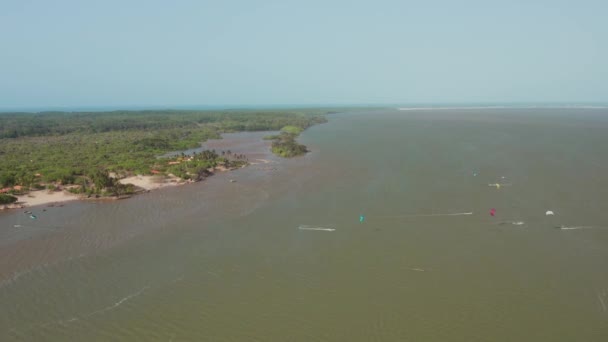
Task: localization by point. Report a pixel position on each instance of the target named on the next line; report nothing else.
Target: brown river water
(281, 254)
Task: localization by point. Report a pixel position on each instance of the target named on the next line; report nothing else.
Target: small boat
(33, 217)
(232, 181)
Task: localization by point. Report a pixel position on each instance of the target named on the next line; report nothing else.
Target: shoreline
(254, 146)
(44, 197)
(143, 183)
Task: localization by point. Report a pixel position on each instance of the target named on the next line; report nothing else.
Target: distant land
(413, 105)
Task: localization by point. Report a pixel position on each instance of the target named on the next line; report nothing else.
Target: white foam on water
(574, 228)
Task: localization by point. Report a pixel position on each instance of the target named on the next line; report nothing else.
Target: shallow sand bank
(41, 197)
(152, 182)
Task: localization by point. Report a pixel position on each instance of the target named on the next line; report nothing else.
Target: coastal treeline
(7, 199)
(15, 125)
(285, 144)
(76, 148)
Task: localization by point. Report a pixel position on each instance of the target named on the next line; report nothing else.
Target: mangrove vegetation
(90, 150)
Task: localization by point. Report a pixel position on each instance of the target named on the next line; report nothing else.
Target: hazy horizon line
(399, 106)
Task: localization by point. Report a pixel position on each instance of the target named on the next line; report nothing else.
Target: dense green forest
(76, 148)
(15, 125)
(285, 144)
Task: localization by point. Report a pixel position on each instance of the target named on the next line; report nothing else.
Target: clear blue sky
(237, 52)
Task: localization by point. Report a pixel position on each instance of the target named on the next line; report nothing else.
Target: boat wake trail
(574, 228)
(600, 298)
(72, 319)
(424, 215)
(514, 223)
(324, 229)
(118, 303)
